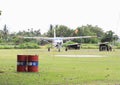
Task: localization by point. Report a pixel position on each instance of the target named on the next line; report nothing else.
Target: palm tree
(5, 32)
(1, 34)
(109, 37)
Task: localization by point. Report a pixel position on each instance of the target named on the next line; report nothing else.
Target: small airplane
(58, 41)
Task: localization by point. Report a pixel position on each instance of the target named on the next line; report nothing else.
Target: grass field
(54, 70)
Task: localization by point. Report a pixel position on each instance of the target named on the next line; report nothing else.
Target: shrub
(28, 46)
(118, 47)
(67, 43)
(90, 46)
(6, 46)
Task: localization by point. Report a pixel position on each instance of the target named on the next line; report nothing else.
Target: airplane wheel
(49, 49)
(58, 50)
(66, 49)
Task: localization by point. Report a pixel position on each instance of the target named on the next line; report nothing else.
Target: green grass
(60, 70)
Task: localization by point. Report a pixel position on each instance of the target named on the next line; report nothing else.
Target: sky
(39, 14)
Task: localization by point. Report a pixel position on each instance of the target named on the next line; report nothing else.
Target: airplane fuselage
(57, 42)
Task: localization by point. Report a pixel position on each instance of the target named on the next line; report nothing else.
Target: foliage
(89, 30)
(61, 31)
(68, 43)
(49, 46)
(4, 34)
(29, 33)
(109, 37)
(6, 46)
(28, 45)
(117, 43)
(89, 46)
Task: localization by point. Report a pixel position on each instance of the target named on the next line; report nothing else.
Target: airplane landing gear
(66, 49)
(49, 49)
(58, 50)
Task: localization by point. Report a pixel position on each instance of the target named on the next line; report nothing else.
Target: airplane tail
(54, 33)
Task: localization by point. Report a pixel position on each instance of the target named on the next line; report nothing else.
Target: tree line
(87, 30)
(61, 31)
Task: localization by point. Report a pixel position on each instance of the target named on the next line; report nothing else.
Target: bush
(28, 46)
(118, 47)
(90, 46)
(6, 47)
(48, 46)
(117, 43)
(68, 43)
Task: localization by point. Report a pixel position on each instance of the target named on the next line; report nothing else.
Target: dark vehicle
(105, 47)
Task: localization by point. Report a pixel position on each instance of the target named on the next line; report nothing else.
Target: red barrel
(21, 63)
(33, 63)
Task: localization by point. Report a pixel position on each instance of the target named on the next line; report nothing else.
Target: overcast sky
(39, 14)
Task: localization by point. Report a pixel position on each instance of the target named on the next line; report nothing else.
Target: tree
(50, 32)
(37, 32)
(64, 31)
(89, 30)
(109, 37)
(61, 31)
(5, 33)
(1, 34)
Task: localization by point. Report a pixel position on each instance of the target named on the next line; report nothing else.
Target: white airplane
(58, 41)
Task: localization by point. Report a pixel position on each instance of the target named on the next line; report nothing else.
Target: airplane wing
(79, 37)
(39, 38)
(63, 38)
